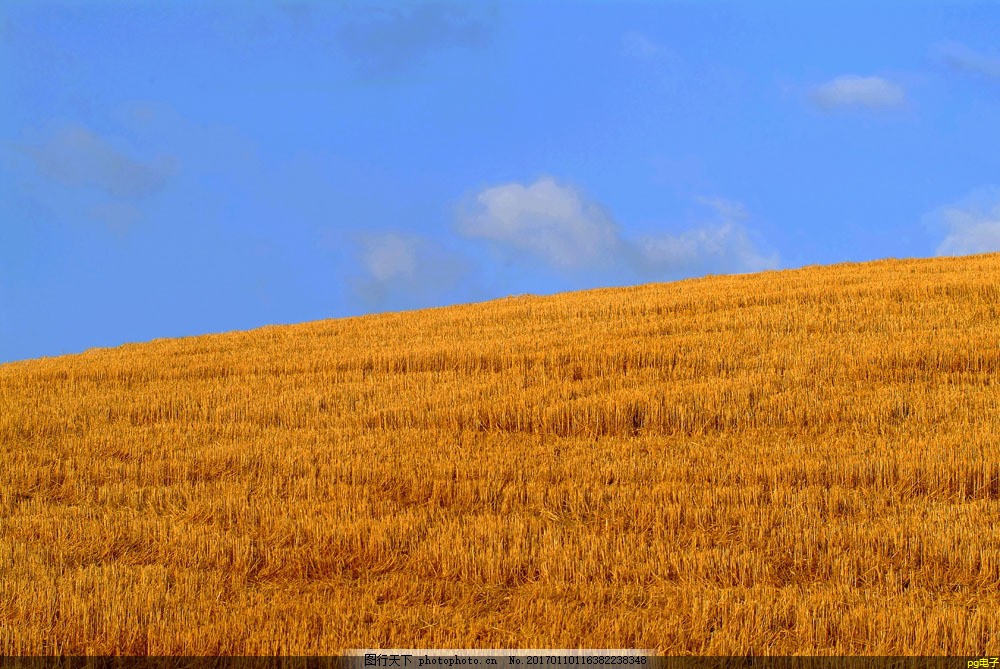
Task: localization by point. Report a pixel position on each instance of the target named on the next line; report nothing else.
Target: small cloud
(721, 246)
(636, 45)
(558, 225)
(855, 91)
(399, 265)
(92, 174)
(554, 223)
(76, 156)
(963, 59)
(388, 39)
(389, 256)
(731, 211)
(972, 225)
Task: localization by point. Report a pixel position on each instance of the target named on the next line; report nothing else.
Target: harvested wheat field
(803, 461)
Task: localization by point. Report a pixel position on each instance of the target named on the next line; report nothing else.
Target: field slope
(805, 461)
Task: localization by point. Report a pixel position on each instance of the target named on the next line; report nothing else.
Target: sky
(178, 168)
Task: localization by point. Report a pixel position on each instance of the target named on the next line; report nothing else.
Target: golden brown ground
(803, 461)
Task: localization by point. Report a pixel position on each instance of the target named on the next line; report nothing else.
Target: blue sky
(179, 168)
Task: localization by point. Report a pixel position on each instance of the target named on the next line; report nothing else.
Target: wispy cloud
(720, 244)
(971, 225)
(858, 92)
(639, 46)
(390, 38)
(727, 209)
(77, 156)
(389, 256)
(402, 265)
(961, 58)
(560, 226)
(90, 174)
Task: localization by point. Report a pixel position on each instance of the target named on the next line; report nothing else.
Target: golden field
(794, 462)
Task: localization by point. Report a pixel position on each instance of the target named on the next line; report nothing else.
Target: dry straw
(804, 461)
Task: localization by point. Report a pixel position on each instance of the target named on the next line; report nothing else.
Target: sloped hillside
(804, 461)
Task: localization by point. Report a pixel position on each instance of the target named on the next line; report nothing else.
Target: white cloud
(553, 222)
(721, 248)
(558, 225)
(389, 256)
(399, 266)
(723, 245)
(972, 225)
(855, 91)
(962, 58)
